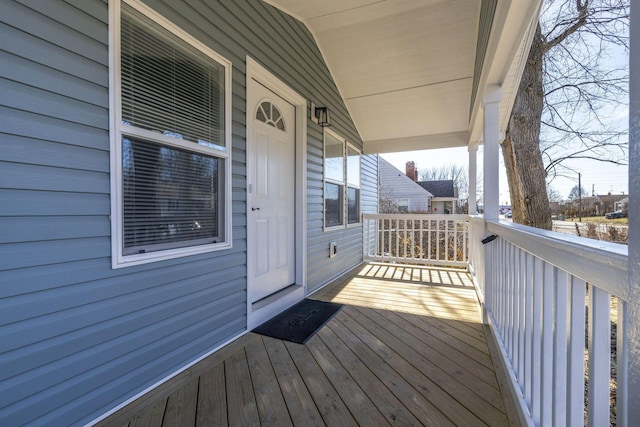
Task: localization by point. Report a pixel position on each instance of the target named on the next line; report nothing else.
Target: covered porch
(407, 348)
(452, 319)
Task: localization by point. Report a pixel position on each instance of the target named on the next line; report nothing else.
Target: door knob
(255, 209)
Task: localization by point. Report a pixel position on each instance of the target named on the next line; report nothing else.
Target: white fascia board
(414, 143)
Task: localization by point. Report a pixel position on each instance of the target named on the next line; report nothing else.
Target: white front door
(270, 193)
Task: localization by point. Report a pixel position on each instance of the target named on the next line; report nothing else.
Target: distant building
(608, 201)
(397, 192)
(596, 205)
(445, 195)
(622, 205)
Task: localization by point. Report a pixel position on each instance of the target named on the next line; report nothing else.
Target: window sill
(121, 261)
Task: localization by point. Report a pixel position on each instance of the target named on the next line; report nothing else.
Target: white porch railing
(553, 302)
(542, 291)
(417, 239)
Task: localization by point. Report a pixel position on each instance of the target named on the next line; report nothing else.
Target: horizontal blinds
(167, 85)
(170, 197)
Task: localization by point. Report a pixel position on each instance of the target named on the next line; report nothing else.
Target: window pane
(167, 85)
(403, 205)
(333, 158)
(353, 167)
(333, 202)
(353, 205)
(170, 197)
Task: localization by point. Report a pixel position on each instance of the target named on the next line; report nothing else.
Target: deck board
(212, 397)
(301, 406)
(347, 388)
(271, 405)
(181, 406)
(408, 348)
(385, 401)
(242, 408)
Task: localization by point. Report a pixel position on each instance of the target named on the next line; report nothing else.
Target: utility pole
(579, 197)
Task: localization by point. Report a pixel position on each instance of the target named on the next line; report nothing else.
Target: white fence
(543, 292)
(417, 239)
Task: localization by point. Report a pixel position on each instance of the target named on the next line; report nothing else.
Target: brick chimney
(411, 171)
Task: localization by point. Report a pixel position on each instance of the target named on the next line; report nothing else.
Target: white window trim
(116, 132)
(344, 183)
(347, 185)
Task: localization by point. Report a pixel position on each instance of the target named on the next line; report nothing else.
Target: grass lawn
(601, 220)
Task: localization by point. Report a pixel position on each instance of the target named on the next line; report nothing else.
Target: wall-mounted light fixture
(320, 115)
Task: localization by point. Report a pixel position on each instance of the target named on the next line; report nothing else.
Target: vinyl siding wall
(77, 338)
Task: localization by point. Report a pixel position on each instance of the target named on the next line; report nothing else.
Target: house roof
(443, 188)
(413, 73)
(612, 198)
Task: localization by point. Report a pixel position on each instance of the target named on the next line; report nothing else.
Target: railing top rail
(450, 217)
(602, 264)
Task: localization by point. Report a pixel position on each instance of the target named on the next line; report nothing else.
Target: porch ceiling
(411, 72)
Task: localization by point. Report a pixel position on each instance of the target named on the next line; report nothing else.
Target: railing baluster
(446, 241)
(499, 295)
(515, 308)
(465, 247)
(438, 239)
(413, 239)
(546, 394)
(504, 304)
(512, 301)
(386, 242)
(528, 332)
(575, 375)
(622, 357)
(429, 239)
(396, 234)
(538, 279)
(521, 312)
(599, 357)
(560, 349)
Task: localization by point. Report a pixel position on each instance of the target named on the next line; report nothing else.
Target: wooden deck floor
(408, 348)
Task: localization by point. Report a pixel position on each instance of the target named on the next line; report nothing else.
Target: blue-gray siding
(77, 337)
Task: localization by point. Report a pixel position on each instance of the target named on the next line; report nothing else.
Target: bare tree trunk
(521, 148)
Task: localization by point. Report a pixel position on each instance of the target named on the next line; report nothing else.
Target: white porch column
(633, 320)
(491, 138)
(473, 173)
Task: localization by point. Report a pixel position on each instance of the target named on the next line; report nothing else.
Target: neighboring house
(445, 196)
(609, 201)
(622, 205)
(595, 205)
(587, 206)
(399, 193)
(167, 184)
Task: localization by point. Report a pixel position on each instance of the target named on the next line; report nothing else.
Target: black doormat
(299, 322)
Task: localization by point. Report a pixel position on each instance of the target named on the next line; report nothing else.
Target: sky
(602, 177)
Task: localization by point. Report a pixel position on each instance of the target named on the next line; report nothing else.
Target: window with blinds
(168, 86)
(172, 141)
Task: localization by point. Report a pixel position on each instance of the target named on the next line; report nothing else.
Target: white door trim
(258, 313)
